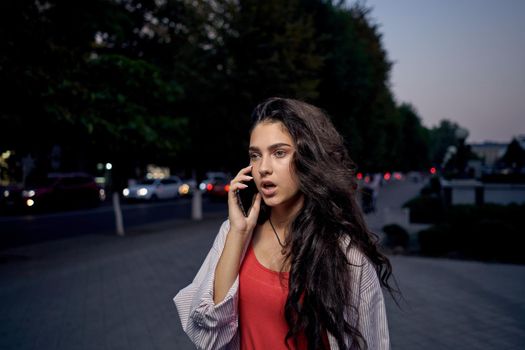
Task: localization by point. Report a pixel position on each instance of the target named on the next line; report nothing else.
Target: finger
(236, 186)
(256, 206)
(245, 170)
(243, 178)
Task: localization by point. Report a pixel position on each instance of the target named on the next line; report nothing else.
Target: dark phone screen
(245, 196)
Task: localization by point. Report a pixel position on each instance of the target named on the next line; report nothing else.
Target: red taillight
(209, 187)
(433, 170)
(387, 176)
(227, 188)
(359, 176)
(367, 179)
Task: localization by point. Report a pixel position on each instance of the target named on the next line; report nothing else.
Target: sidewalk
(108, 292)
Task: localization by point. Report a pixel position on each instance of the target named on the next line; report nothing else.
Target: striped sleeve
(372, 320)
(209, 326)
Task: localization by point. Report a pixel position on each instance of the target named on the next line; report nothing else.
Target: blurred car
(397, 175)
(219, 188)
(216, 185)
(10, 198)
(211, 177)
(154, 189)
(62, 191)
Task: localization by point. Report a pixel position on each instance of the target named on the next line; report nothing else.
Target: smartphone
(245, 196)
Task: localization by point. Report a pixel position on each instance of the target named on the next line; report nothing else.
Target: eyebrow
(271, 147)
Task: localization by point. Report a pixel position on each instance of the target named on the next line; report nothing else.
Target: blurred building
(489, 152)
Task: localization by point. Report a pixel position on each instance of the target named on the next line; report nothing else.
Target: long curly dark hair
(318, 292)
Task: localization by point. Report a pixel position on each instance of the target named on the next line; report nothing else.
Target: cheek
(292, 179)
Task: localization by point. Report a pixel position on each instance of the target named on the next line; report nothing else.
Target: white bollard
(196, 205)
(118, 214)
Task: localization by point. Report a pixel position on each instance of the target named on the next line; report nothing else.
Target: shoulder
(361, 268)
(354, 255)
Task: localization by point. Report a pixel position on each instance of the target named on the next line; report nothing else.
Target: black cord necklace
(283, 247)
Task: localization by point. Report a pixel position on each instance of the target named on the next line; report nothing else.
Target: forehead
(269, 133)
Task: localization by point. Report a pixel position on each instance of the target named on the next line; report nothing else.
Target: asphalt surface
(109, 292)
(18, 230)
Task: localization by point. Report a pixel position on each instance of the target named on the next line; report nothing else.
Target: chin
(271, 202)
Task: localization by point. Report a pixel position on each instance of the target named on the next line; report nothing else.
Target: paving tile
(116, 293)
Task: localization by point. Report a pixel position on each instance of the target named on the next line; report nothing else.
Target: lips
(268, 188)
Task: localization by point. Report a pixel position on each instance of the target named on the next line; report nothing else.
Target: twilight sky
(462, 60)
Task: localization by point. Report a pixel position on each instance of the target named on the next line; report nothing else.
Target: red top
(262, 295)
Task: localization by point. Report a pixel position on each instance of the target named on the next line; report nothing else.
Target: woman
(301, 271)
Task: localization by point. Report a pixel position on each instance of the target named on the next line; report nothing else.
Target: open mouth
(268, 188)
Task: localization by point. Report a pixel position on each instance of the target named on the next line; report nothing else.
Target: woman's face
(271, 154)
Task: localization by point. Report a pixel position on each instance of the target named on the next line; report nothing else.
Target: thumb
(256, 207)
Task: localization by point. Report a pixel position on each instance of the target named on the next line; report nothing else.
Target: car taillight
(359, 176)
(227, 188)
(433, 170)
(387, 176)
(209, 187)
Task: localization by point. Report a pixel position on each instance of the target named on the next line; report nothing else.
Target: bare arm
(241, 229)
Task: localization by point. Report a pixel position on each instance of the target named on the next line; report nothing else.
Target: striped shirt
(211, 326)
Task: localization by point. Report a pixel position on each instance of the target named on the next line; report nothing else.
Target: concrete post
(118, 214)
(196, 205)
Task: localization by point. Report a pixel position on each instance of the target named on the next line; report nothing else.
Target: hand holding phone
(245, 196)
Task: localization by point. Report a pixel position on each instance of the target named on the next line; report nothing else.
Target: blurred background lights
(6, 154)
(184, 189)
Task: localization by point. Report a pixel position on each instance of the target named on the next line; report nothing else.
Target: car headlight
(202, 186)
(6, 193)
(142, 192)
(184, 189)
(30, 202)
(125, 192)
(28, 194)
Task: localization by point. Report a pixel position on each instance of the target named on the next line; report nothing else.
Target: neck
(283, 215)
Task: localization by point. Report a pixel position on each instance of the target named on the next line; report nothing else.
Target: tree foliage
(174, 81)
(514, 157)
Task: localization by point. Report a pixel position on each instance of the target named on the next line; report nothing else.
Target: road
(30, 229)
(109, 292)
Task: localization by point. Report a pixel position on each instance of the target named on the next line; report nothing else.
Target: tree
(174, 81)
(442, 137)
(414, 140)
(354, 81)
(261, 49)
(78, 93)
(514, 157)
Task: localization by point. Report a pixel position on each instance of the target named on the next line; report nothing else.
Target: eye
(253, 156)
(280, 153)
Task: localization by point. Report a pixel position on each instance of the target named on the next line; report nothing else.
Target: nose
(265, 166)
